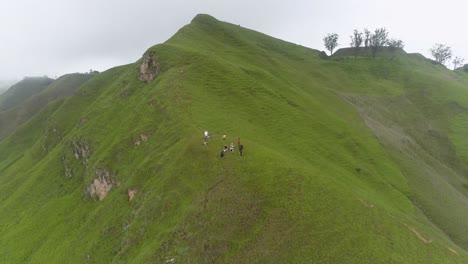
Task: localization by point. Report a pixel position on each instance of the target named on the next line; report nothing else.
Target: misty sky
(54, 37)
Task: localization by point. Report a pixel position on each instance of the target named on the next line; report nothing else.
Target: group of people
(231, 147)
(225, 148)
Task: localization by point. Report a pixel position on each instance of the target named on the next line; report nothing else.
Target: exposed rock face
(102, 184)
(149, 68)
(83, 120)
(81, 150)
(68, 172)
(131, 194)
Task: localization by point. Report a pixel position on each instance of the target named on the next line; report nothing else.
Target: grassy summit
(347, 160)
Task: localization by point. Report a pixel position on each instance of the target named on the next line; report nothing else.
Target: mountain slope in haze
(5, 84)
(346, 160)
(62, 87)
(23, 90)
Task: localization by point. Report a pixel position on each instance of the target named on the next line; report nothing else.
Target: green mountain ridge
(346, 160)
(5, 84)
(23, 90)
(64, 86)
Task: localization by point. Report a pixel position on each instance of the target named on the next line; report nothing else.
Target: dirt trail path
(366, 204)
(453, 251)
(417, 234)
(412, 229)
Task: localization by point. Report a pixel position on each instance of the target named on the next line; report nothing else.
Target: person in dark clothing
(222, 154)
(241, 150)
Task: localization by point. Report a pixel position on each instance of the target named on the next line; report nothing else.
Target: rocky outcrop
(138, 141)
(102, 184)
(75, 159)
(81, 150)
(131, 194)
(149, 68)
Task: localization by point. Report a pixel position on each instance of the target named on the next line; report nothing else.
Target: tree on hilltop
(356, 39)
(395, 43)
(378, 39)
(458, 61)
(367, 35)
(331, 42)
(441, 53)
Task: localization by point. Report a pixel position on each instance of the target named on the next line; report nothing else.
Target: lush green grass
(345, 160)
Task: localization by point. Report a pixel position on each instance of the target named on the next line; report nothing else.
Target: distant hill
(62, 87)
(5, 84)
(23, 90)
(464, 68)
(345, 160)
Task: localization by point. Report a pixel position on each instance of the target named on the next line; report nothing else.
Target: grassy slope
(418, 129)
(62, 87)
(315, 184)
(23, 90)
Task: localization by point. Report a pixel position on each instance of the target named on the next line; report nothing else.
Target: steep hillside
(62, 87)
(346, 160)
(23, 90)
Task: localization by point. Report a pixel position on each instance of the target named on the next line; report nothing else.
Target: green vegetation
(23, 90)
(62, 87)
(347, 159)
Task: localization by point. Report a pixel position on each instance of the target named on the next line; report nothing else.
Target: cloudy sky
(53, 37)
